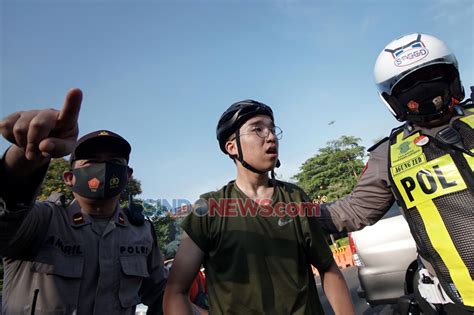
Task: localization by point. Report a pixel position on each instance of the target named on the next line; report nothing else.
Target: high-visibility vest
(434, 184)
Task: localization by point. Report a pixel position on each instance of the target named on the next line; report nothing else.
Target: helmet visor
(426, 91)
(433, 73)
(389, 85)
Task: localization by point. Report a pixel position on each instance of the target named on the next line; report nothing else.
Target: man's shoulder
(383, 143)
(57, 199)
(222, 192)
(291, 189)
(287, 185)
(378, 144)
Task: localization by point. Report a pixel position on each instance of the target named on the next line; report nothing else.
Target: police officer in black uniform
(87, 257)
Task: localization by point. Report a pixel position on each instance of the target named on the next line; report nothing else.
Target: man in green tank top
(257, 237)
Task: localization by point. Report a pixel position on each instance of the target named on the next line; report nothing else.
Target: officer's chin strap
(240, 158)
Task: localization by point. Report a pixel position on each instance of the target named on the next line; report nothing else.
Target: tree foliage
(333, 172)
(134, 188)
(53, 181)
(166, 228)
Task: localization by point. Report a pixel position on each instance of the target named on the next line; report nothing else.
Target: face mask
(426, 98)
(100, 181)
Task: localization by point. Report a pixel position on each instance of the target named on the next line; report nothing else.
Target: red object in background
(198, 286)
(351, 243)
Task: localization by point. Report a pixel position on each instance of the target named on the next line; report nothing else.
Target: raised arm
(36, 136)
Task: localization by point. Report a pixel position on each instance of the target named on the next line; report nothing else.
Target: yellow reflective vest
(434, 183)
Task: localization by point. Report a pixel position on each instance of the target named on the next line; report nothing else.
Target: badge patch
(413, 106)
(405, 149)
(77, 218)
(114, 182)
(421, 141)
(93, 184)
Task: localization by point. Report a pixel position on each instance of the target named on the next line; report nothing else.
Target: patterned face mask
(100, 181)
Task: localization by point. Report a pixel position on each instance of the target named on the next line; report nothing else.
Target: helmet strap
(240, 156)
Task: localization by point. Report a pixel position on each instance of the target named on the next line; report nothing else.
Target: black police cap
(101, 141)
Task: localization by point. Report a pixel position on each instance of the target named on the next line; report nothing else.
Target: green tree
(53, 181)
(333, 172)
(134, 187)
(163, 226)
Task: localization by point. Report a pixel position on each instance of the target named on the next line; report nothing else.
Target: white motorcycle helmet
(418, 79)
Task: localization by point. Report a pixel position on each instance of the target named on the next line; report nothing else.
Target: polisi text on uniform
(134, 250)
(426, 181)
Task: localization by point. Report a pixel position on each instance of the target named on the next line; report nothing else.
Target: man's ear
(129, 172)
(231, 147)
(68, 177)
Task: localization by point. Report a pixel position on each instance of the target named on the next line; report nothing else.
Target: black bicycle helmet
(233, 118)
(236, 115)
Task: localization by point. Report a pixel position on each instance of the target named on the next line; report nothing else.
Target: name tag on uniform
(426, 181)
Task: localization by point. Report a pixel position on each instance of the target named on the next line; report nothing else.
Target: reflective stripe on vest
(443, 244)
(469, 120)
(418, 182)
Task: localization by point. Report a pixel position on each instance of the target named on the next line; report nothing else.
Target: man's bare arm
(336, 291)
(185, 267)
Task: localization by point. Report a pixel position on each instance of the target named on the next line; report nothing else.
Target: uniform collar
(410, 129)
(78, 217)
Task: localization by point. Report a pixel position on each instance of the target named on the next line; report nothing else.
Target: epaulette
(375, 146)
(467, 103)
(58, 199)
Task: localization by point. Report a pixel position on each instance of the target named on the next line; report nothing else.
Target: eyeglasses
(263, 132)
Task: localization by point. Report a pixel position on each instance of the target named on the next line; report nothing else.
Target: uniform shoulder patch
(375, 146)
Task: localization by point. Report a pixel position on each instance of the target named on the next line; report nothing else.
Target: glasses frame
(275, 130)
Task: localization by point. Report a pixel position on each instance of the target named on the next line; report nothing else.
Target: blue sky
(161, 73)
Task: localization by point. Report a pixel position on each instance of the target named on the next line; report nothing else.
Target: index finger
(70, 112)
